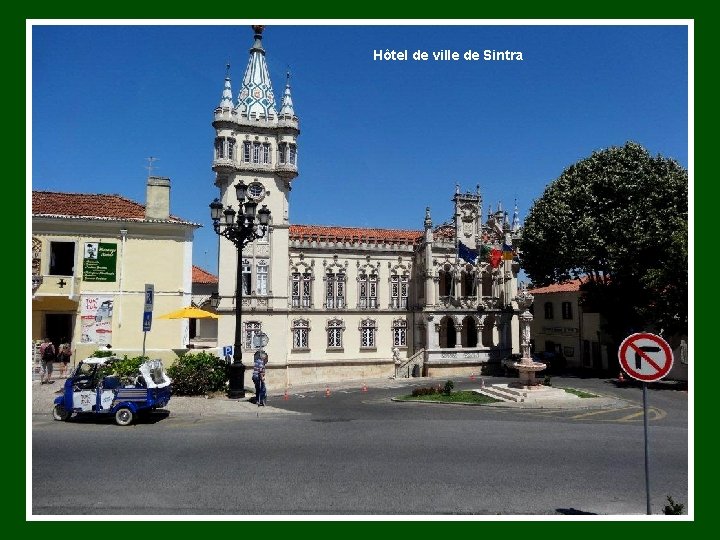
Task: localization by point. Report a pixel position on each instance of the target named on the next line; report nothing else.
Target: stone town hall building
(346, 302)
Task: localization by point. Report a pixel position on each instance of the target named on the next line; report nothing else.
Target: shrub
(102, 353)
(426, 391)
(448, 387)
(673, 508)
(547, 381)
(198, 374)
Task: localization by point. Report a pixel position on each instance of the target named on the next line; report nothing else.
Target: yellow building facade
(93, 255)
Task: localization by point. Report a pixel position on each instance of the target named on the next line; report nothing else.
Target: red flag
(495, 257)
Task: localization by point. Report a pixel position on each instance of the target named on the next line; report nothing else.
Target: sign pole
(647, 457)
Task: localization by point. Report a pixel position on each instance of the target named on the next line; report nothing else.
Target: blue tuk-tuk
(92, 390)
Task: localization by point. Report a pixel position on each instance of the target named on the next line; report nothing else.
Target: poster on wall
(99, 261)
(96, 319)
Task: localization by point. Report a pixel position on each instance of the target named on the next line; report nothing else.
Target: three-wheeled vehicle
(92, 390)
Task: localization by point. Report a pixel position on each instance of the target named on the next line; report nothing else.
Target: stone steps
(526, 395)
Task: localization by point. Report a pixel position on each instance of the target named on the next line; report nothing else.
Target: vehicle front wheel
(60, 413)
(124, 416)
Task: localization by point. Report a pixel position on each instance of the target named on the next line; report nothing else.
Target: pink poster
(96, 317)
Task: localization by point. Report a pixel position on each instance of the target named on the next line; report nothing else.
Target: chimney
(158, 198)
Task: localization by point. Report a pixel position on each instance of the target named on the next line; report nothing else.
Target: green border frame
(15, 510)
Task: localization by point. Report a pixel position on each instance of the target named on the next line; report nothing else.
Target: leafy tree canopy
(618, 220)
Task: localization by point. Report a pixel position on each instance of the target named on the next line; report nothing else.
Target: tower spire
(516, 218)
(287, 103)
(256, 98)
(227, 102)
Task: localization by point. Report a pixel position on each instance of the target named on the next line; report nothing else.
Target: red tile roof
(202, 276)
(353, 234)
(88, 205)
(568, 286)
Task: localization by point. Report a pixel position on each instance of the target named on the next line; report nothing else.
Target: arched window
(399, 291)
(334, 290)
(251, 328)
(301, 289)
(368, 328)
(301, 334)
(399, 333)
(367, 290)
(335, 328)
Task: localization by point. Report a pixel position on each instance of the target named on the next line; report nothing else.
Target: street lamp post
(240, 228)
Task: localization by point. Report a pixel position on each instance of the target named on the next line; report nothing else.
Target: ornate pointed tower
(256, 145)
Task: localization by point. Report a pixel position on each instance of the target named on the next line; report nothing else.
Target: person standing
(47, 357)
(63, 356)
(258, 377)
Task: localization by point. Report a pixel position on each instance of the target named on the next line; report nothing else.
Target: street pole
(249, 225)
(647, 458)
(236, 387)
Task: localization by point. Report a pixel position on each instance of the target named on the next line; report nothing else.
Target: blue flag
(466, 254)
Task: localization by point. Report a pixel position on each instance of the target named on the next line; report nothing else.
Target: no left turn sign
(645, 357)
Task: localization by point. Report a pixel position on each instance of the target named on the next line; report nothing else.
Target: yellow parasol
(189, 312)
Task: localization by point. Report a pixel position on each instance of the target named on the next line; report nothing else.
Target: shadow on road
(148, 418)
(574, 512)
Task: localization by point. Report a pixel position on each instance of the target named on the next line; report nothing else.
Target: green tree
(617, 220)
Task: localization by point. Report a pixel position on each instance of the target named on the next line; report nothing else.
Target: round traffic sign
(645, 357)
(260, 340)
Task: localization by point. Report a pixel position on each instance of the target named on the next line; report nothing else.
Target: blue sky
(379, 140)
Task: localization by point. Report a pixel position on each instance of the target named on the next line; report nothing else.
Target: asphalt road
(359, 453)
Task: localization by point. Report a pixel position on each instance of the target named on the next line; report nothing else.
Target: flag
(507, 252)
(495, 257)
(466, 254)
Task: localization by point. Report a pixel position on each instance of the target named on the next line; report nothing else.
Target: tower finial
(428, 220)
(227, 70)
(516, 218)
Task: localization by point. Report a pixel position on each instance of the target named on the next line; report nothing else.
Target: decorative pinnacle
(428, 220)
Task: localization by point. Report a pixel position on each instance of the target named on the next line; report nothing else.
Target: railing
(406, 368)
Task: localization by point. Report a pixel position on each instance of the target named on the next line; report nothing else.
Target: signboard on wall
(99, 261)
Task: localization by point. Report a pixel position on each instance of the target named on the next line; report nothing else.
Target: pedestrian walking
(63, 356)
(47, 358)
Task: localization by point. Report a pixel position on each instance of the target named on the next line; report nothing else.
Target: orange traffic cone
(364, 387)
(286, 397)
(472, 376)
(621, 377)
(327, 392)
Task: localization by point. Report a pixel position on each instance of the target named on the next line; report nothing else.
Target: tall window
(224, 148)
(301, 289)
(62, 258)
(262, 277)
(399, 333)
(335, 290)
(367, 290)
(256, 152)
(251, 328)
(548, 310)
(567, 310)
(288, 153)
(368, 327)
(335, 329)
(301, 334)
(266, 153)
(246, 277)
(398, 292)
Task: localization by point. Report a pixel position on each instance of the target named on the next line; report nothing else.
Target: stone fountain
(527, 389)
(526, 367)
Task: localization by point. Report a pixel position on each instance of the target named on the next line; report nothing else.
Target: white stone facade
(336, 301)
